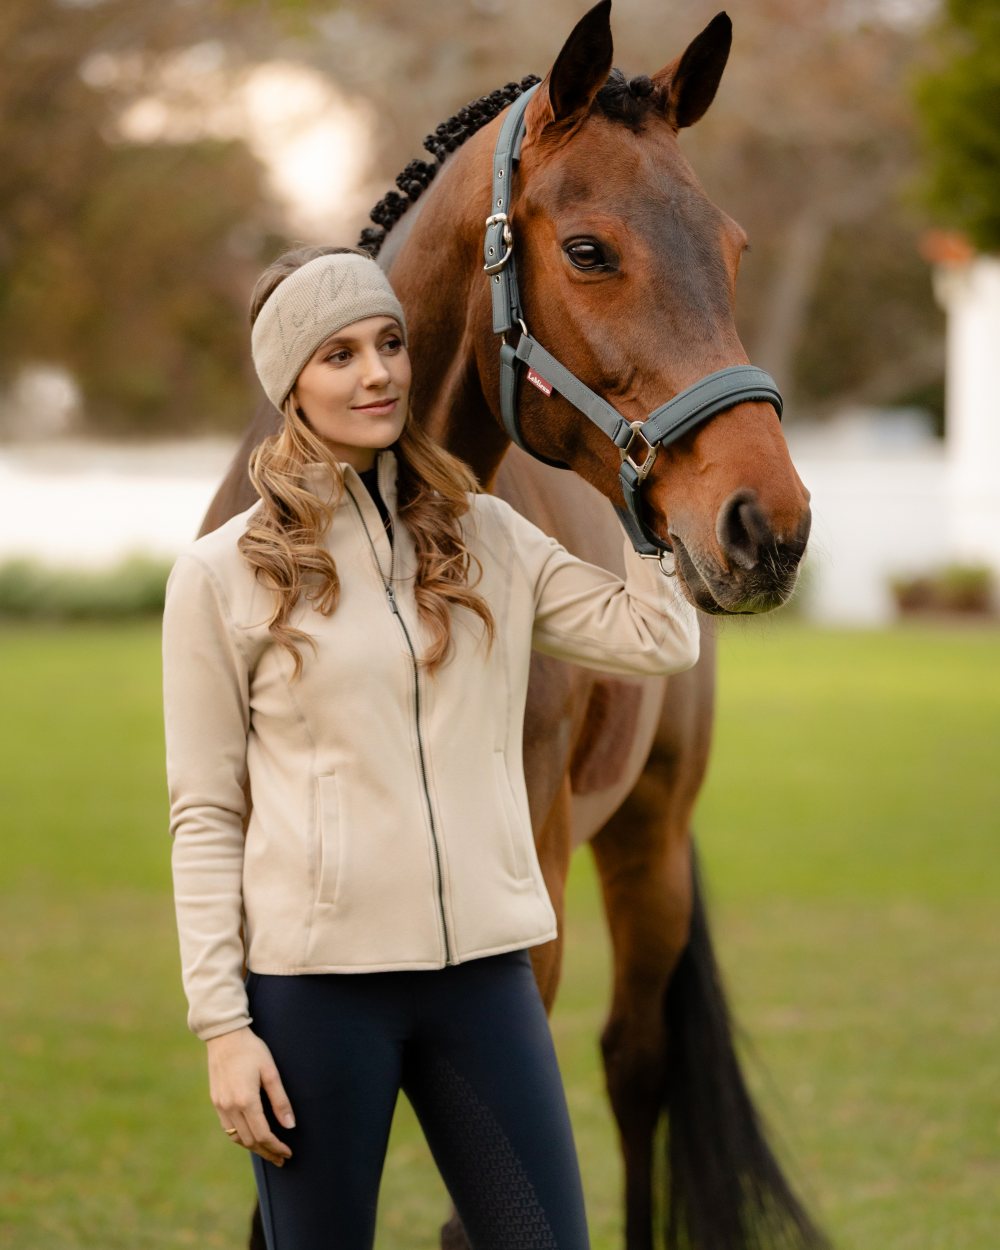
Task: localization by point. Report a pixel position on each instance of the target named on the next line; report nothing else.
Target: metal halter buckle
(508, 242)
(641, 470)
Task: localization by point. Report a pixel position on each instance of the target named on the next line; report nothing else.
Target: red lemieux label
(536, 379)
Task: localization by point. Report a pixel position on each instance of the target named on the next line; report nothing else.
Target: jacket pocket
(511, 818)
(328, 838)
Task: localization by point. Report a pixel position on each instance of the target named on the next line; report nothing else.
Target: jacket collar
(318, 478)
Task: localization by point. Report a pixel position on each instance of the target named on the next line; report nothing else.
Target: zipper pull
(391, 596)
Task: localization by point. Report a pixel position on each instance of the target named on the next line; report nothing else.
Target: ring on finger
(231, 1132)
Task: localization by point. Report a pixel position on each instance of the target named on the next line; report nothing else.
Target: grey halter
(637, 441)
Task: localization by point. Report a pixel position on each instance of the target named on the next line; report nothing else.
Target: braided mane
(625, 100)
(446, 138)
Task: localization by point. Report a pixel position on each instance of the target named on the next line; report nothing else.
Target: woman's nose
(375, 373)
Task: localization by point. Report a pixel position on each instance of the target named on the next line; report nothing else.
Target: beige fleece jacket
(389, 825)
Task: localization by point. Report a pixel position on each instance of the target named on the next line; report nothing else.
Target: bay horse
(627, 274)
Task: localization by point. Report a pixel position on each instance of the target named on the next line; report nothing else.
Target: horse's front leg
(642, 870)
(643, 860)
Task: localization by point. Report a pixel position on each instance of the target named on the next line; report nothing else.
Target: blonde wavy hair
(283, 542)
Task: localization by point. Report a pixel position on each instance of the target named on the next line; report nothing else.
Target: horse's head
(628, 273)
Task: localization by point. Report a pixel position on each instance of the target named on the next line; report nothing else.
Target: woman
(347, 662)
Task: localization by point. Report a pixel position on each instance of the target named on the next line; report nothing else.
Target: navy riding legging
(470, 1047)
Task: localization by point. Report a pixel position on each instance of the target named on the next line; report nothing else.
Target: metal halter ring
(665, 559)
(641, 470)
(524, 330)
(508, 242)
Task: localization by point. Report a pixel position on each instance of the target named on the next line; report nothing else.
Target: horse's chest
(612, 748)
(596, 728)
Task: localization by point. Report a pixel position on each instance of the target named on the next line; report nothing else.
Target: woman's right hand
(239, 1063)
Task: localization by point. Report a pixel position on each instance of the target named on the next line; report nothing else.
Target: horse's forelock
(629, 100)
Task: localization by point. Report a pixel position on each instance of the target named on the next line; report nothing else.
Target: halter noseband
(637, 441)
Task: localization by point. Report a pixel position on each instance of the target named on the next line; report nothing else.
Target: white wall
(879, 503)
(877, 496)
(87, 503)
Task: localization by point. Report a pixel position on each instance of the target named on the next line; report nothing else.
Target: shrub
(968, 589)
(32, 590)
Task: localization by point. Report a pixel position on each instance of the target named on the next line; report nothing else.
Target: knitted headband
(308, 306)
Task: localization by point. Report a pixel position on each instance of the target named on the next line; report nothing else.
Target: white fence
(83, 503)
(880, 499)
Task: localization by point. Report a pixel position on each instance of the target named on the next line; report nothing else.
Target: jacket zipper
(390, 595)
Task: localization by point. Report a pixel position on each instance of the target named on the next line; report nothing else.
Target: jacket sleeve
(585, 614)
(206, 721)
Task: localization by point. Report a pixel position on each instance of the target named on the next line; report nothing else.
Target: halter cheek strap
(637, 441)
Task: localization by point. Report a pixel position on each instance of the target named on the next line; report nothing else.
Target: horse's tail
(726, 1190)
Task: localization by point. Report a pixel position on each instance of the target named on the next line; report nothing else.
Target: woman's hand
(239, 1063)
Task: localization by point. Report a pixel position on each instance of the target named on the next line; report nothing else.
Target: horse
(627, 273)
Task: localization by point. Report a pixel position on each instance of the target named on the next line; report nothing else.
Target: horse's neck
(435, 265)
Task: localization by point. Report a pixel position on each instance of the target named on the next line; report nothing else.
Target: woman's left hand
(239, 1064)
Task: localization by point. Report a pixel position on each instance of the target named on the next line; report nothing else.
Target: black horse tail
(726, 1190)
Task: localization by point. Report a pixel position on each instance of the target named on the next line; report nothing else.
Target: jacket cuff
(217, 1030)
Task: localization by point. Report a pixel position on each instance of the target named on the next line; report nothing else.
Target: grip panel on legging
(506, 1214)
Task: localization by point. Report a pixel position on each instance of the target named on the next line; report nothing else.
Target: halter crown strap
(498, 258)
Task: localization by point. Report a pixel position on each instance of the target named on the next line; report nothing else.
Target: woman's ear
(291, 407)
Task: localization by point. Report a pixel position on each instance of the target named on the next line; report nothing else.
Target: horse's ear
(579, 72)
(690, 83)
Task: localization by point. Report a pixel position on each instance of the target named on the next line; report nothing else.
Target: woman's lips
(377, 410)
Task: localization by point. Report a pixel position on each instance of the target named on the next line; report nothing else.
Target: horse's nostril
(742, 529)
(798, 544)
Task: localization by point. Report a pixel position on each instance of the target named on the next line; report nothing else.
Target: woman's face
(355, 388)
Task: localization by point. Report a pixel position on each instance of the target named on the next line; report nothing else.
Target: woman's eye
(585, 255)
(340, 357)
(393, 344)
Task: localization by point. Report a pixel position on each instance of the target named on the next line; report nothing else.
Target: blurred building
(969, 289)
(889, 498)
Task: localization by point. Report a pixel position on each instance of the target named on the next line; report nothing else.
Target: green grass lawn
(850, 833)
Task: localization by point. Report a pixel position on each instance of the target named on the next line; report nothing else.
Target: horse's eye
(585, 255)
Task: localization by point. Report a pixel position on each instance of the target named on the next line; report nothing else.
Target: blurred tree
(128, 264)
(811, 146)
(959, 104)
